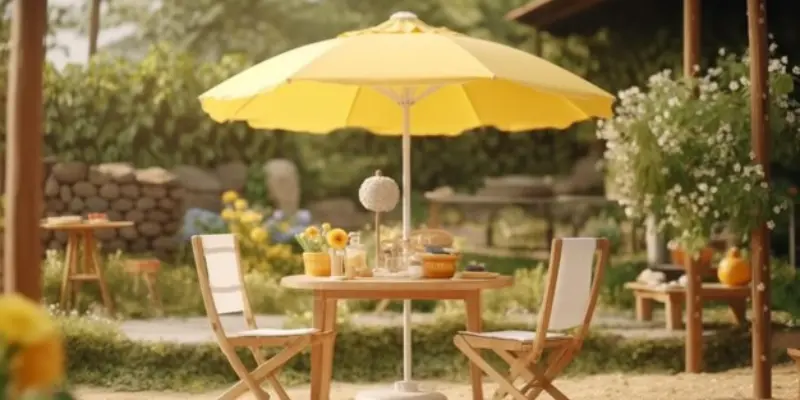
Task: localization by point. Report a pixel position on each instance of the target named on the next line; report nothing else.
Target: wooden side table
(81, 237)
(673, 298)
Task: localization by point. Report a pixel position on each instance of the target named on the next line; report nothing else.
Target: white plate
(63, 220)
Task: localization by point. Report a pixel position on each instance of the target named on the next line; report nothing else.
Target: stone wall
(152, 198)
(204, 186)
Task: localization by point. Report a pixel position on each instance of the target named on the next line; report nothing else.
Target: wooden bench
(673, 297)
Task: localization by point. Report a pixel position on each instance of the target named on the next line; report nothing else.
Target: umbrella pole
(406, 105)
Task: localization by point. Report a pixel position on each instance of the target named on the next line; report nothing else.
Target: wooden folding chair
(222, 285)
(564, 319)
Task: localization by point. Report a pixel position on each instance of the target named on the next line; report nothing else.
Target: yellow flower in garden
(23, 321)
(258, 234)
(311, 232)
(229, 197)
(326, 227)
(228, 214)
(39, 366)
(240, 204)
(337, 239)
(39, 363)
(250, 217)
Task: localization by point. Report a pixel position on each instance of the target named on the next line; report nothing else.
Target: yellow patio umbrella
(404, 77)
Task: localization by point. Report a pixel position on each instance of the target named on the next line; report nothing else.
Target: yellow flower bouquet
(32, 358)
(316, 241)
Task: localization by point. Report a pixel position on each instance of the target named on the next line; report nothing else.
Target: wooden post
(694, 301)
(94, 26)
(759, 237)
(24, 149)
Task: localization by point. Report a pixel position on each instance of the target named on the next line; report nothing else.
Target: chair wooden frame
(292, 341)
(524, 352)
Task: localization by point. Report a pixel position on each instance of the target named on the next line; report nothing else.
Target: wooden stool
(673, 297)
(147, 269)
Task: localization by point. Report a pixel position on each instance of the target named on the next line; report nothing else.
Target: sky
(72, 47)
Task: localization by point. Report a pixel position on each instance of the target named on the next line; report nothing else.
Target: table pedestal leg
(324, 315)
(475, 324)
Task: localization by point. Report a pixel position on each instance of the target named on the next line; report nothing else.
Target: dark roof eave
(543, 13)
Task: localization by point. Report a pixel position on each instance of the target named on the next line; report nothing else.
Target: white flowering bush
(679, 149)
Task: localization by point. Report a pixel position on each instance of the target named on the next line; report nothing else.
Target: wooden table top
(707, 288)
(395, 284)
(86, 225)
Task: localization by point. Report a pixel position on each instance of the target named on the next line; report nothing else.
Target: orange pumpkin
(733, 269)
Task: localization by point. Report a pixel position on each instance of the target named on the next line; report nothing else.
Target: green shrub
(99, 355)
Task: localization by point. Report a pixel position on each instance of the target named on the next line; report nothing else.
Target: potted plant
(679, 150)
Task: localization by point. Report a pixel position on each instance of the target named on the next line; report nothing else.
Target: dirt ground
(731, 385)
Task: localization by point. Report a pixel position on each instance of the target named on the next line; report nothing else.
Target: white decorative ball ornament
(379, 193)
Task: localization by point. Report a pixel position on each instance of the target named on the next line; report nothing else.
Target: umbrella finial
(403, 15)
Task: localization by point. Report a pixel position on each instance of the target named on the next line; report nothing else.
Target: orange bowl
(439, 266)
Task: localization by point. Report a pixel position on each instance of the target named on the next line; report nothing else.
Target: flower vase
(317, 264)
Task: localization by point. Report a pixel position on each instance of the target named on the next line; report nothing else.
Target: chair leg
(278, 388)
(246, 380)
(273, 380)
(477, 360)
(513, 373)
(556, 363)
(267, 369)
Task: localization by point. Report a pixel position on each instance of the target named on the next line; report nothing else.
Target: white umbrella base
(400, 391)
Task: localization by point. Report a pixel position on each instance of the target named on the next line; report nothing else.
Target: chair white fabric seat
(269, 332)
(516, 336)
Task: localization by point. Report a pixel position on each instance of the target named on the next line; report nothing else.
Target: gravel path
(731, 385)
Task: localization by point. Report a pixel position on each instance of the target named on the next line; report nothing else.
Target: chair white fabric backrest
(224, 276)
(573, 285)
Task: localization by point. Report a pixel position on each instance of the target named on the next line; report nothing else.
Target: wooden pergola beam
(541, 13)
(22, 262)
(694, 300)
(759, 238)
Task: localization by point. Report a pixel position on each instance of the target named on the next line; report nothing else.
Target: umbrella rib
(571, 104)
(472, 106)
(352, 106)
(491, 74)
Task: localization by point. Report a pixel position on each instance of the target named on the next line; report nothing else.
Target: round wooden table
(90, 270)
(328, 291)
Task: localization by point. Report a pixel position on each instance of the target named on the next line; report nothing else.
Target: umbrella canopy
(356, 80)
